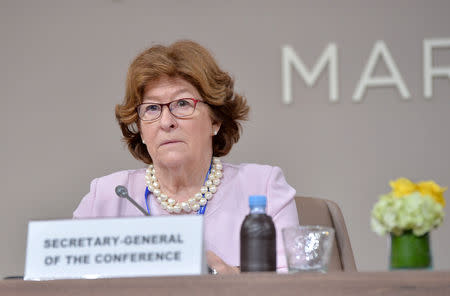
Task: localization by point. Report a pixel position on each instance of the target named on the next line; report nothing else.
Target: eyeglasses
(179, 108)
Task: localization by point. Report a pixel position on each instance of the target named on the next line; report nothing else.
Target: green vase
(409, 251)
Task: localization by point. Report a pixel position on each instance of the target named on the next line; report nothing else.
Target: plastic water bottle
(258, 238)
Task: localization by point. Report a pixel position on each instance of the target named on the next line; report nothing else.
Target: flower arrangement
(409, 207)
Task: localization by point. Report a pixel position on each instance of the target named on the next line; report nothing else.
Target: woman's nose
(167, 119)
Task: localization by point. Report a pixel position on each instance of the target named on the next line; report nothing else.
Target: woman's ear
(216, 128)
(138, 126)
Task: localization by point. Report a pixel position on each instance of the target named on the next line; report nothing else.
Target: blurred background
(63, 67)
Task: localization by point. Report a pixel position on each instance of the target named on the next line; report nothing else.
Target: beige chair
(317, 211)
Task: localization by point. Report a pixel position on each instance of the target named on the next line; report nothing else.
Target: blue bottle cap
(257, 201)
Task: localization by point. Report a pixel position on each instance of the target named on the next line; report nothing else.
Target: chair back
(317, 211)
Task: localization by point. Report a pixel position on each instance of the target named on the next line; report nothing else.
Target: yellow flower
(402, 187)
(433, 190)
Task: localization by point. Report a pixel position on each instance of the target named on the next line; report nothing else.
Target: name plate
(119, 247)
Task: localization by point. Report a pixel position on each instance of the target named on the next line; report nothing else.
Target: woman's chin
(172, 159)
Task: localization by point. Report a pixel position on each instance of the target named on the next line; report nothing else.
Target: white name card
(119, 247)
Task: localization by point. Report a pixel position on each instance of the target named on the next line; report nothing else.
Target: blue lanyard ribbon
(200, 211)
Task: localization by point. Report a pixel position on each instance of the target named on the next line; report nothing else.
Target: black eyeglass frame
(196, 101)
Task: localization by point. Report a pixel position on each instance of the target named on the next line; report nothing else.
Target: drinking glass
(308, 248)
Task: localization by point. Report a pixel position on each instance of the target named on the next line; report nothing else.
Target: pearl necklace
(193, 204)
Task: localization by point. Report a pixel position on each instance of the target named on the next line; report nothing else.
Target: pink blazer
(224, 212)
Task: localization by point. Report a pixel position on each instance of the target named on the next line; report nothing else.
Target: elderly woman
(179, 115)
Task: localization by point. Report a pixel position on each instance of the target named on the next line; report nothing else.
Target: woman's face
(173, 141)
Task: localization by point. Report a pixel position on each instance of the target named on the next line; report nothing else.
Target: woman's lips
(169, 142)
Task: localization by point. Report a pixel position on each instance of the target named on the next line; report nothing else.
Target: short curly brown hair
(192, 62)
